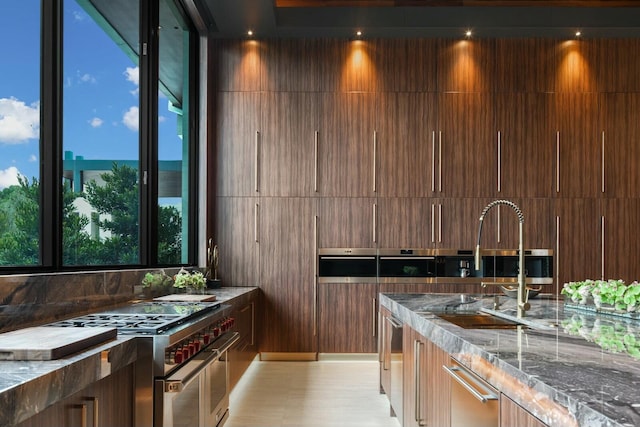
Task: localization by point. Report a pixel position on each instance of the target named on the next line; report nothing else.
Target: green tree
(19, 240)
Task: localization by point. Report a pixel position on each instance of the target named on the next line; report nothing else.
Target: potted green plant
(192, 282)
(156, 283)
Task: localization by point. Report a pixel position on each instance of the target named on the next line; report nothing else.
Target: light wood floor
(310, 394)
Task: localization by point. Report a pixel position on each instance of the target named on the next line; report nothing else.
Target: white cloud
(33, 158)
(86, 78)
(78, 16)
(18, 121)
(162, 119)
(9, 177)
(96, 122)
(133, 75)
(131, 119)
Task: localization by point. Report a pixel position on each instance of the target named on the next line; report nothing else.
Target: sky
(100, 93)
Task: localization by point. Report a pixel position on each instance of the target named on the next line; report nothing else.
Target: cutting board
(50, 342)
(187, 298)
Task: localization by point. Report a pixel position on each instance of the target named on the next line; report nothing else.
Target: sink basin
(477, 320)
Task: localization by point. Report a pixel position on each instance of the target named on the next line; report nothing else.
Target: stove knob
(185, 352)
(216, 331)
(178, 357)
(205, 339)
(195, 345)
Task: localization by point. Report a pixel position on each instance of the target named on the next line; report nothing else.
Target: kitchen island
(569, 367)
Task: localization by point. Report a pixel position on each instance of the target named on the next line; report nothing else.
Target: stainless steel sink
(477, 320)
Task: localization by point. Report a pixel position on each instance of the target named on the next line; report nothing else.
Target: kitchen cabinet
(539, 224)
(467, 141)
(620, 133)
(287, 244)
(106, 403)
(406, 146)
(526, 149)
(346, 145)
(578, 255)
(457, 221)
(288, 162)
(238, 64)
(426, 385)
(246, 348)
(348, 317)
(384, 350)
(236, 164)
(236, 234)
(406, 65)
(406, 222)
(347, 222)
(512, 414)
(576, 119)
(466, 65)
(620, 222)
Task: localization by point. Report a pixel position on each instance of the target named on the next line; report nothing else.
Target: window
(114, 132)
(173, 136)
(101, 112)
(20, 133)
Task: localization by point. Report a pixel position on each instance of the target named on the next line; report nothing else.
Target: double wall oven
(181, 374)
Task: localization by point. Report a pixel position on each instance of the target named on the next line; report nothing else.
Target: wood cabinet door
(236, 234)
(406, 146)
(384, 350)
(468, 143)
(576, 119)
(539, 224)
(347, 222)
(346, 145)
(438, 386)
(578, 255)
(406, 222)
(287, 147)
(466, 65)
(347, 320)
(512, 414)
(526, 145)
(287, 244)
(621, 243)
(411, 340)
(621, 133)
(236, 167)
(457, 223)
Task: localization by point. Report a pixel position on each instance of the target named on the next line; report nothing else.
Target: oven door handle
(181, 379)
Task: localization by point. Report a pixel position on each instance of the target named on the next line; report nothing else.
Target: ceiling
(422, 18)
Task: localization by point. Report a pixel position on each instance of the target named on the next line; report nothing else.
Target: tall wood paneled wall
(401, 143)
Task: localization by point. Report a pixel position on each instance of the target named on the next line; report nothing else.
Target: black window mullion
(149, 21)
(51, 134)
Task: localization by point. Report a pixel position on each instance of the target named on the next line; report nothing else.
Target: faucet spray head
(477, 259)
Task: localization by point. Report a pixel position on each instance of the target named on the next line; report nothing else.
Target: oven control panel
(185, 349)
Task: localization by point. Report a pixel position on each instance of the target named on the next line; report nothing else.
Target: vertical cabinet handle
(96, 413)
(603, 153)
(557, 260)
(315, 165)
(255, 222)
(257, 160)
(374, 324)
(433, 161)
(499, 183)
(557, 161)
(498, 218)
(417, 374)
(375, 212)
(375, 149)
(83, 413)
(440, 161)
(602, 234)
(433, 223)
(439, 223)
(315, 276)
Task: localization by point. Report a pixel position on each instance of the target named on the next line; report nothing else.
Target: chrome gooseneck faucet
(523, 304)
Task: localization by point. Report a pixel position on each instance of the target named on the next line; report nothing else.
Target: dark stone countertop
(572, 368)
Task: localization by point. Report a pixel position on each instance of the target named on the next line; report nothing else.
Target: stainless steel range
(181, 372)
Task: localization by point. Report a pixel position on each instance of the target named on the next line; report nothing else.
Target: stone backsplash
(34, 299)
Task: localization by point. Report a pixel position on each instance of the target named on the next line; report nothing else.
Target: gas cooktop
(152, 317)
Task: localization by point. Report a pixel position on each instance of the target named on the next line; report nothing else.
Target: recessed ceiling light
(578, 33)
(249, 33)
(468, 33)
(358, 33)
